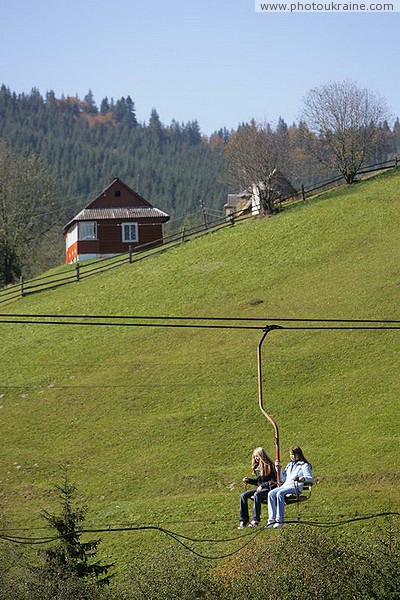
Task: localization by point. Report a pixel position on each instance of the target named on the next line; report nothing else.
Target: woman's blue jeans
(276, 501)
(244, 508)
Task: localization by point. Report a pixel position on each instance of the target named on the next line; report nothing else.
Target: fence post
(303, 192)
(183, 235)
(203, 209)
(21, 283)
(232, 218)
(395, 162)
(78, 275)
(130, 254)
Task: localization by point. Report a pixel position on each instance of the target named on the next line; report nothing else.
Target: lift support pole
(266, 331)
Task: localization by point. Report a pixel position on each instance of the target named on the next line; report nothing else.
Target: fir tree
(131, 112)
(104, 106)
(155, 129)
(72, 558)
(89, 105)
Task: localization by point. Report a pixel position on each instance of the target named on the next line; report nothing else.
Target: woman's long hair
(298, 452)
(265, 466)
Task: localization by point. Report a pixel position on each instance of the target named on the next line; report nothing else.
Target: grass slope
(158, 424)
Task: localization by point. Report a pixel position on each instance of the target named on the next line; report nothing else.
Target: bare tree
(342, 120)
(254, 154)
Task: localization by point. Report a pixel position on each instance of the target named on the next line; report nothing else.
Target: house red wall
(109, 235)
(128, 197)
(109, 240)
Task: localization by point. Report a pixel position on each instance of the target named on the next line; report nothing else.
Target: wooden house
(237, 204)
(117, 219)
(249, 200)
(279, 189)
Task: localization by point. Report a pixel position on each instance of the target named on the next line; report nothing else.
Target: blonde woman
(265, 480)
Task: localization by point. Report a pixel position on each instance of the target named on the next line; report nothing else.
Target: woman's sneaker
(269, 524)
(254, 523)
(242, 525)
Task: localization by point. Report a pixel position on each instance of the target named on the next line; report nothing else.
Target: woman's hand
(245, 480)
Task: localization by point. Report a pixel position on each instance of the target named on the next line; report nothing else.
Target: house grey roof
(240, 201)
(233, 200)
(96, 214)
(140, 212)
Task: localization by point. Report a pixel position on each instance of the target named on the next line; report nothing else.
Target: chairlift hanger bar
(266, 331)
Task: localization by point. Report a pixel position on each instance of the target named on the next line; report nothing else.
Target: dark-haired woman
(297, 472)
(264, 470)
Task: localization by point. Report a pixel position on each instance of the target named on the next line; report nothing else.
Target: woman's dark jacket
(265, 481)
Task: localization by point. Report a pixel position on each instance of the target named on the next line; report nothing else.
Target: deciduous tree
(27, 210)
(342, 119)
(254, 155)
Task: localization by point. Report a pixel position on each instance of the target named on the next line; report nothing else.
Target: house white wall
(255, 201)
(72, 236)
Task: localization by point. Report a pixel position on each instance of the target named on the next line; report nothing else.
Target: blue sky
(217, 61)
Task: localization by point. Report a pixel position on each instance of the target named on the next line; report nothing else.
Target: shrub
(299, 564)
(171, 573)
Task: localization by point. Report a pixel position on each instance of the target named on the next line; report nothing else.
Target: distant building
(117, 219)
(237, 204)
(249, 200)
(280, 189)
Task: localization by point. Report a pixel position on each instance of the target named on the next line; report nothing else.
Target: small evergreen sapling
(71, 557)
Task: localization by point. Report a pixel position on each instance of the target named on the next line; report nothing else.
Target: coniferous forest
(173, 166)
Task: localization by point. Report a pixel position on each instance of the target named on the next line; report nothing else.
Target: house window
(130, 232)
(117, 193)
(88, 230)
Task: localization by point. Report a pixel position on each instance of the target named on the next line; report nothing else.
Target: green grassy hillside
(158, 424)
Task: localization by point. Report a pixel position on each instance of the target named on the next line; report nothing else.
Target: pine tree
(155, 129)
(130, 105)
(72, 558)
(119, 109)
(88, 104)
(104, 106)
